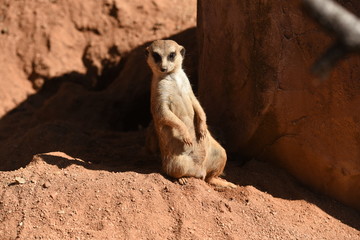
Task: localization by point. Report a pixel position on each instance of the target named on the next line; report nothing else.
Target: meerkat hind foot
(219, 182)
(182, 181)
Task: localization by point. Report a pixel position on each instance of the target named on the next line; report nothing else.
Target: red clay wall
(255, 85)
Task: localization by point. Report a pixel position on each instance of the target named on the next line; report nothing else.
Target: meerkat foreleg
(201, 127)
(170, 119)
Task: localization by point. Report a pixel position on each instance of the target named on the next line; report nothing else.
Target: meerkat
(187, 148)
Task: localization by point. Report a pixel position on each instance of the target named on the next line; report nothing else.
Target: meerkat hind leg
(215, 164)
(182, 167)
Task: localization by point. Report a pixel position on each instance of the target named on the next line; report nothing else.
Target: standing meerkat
(186, 146)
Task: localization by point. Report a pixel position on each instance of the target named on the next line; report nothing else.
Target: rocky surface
(268, 105)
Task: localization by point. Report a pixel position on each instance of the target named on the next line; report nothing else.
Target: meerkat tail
(218, 182)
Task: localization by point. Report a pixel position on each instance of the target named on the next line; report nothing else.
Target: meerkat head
(165, 56)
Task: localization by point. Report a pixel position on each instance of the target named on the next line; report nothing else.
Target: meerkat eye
(172, 56)
(156, 56)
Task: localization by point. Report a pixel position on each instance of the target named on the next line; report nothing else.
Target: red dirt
(66, 198)
(71, 171)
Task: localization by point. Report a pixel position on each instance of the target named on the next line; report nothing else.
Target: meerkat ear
(146, 52)
(182, 51)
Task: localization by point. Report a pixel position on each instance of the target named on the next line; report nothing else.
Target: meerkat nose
(163, 69)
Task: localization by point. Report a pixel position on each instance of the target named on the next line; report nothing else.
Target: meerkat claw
(182, 181)
(202, 131)
(187, 141)
(202, 135)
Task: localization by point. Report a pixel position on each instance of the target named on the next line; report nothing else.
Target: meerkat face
(165, 56)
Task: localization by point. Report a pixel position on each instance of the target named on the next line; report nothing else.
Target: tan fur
(186, 146)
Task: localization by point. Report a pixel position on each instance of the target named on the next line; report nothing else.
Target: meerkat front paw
(202, 130)
(187, 139)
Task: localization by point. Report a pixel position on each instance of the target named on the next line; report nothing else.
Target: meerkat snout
(165, 56)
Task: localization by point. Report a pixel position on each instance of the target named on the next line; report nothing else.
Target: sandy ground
(58, 196)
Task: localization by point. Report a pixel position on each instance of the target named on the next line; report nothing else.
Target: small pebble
(4, 31)
(20, 180)
(61, 212)
(47, 185)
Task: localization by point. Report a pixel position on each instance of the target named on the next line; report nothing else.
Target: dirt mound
(58, 196)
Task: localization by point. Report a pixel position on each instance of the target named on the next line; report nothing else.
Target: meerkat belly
(182, 107)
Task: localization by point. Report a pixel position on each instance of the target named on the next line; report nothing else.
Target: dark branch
(342, 23)
(328, 60)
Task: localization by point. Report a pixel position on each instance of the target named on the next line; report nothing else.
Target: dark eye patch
(172, 56)
(156, 56)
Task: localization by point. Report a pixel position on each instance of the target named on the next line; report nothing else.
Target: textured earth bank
(86, 63)
(268, 104)
(44, 39)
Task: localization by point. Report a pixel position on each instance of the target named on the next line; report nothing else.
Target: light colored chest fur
(174, 90)
(182, 82)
